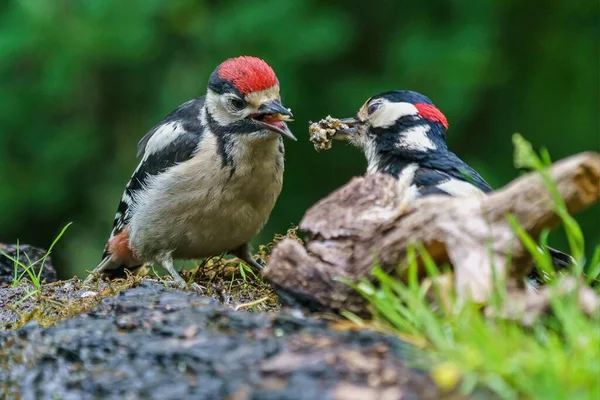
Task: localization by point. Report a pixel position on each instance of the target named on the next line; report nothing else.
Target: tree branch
(368, 219)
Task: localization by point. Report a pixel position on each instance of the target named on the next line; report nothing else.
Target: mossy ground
(232, 283)
(56, 301)
(226, 280)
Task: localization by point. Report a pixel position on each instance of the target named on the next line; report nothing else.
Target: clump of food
(322, 132)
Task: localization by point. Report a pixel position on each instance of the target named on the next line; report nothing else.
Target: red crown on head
(431, 113)
(247, 74)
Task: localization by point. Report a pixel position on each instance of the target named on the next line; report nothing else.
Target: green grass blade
(242, 271)
(27, 295)
(56, 239)
(16, 281)
(594, 266)
(26, 269)
(540, 254)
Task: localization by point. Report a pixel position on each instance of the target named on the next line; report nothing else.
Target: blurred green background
(82, 81)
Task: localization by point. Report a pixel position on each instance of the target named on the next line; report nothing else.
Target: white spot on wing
(416, 139)
(389, 113)
(126, 198)
(164, 136)
(458, 188)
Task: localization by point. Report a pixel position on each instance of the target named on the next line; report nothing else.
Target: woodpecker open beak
(272, 115)
(352, 129)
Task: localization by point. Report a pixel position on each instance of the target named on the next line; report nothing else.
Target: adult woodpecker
(403, 129)
(209, 175)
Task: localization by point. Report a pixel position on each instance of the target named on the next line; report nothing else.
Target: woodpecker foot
(254, 264)
(178, 281)
(97, 273)
(184, 286)
(243, 253)
(197, 288)
(262, 263)
(91, 278)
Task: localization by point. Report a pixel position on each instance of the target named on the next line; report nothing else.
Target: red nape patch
(247, 74)
(431, 113)
(118, 247)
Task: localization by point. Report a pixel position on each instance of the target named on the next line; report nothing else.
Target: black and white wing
(174, 140)
(431, 181)
(449, 175)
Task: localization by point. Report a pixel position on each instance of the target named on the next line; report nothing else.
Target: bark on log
(369, 217)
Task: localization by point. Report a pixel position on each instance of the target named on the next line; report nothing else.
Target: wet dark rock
(155, 343)
(27, 254)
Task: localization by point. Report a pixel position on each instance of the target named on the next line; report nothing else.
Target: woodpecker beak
(352, 129)
(272, 115)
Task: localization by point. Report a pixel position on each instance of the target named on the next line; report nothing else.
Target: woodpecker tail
(117, 258)
(560, 261)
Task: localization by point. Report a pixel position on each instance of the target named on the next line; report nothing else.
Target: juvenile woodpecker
(402, 128)
(209, 175)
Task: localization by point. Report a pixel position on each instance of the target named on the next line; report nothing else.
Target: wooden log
(369, 219)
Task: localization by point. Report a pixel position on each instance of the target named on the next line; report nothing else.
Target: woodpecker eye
(237, 103)
(373, 107)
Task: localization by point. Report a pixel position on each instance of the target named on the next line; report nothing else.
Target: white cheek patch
(389, 113)
(458, 188)
(164, 136)
(215, 103)
(416, 139)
